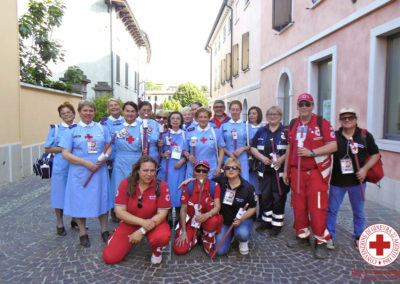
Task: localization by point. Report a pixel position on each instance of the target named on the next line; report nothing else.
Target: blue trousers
(336, 196)
(242, 233)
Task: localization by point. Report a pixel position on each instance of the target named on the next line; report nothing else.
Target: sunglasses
(201, 171)
(347, 118)
(307, 104)
(140, 199)
(228, 168)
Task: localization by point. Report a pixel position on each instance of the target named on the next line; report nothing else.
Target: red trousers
(118, 245)
(310, 204)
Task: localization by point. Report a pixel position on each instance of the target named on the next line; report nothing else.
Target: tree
(189, 93)
(204, 89)
(151, 86)
(36, 47)
(172, 105)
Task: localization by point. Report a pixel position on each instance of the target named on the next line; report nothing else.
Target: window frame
(118, 69)
(126, 74)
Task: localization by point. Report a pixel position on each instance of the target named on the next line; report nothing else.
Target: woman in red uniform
(142, 210)
(200, 199)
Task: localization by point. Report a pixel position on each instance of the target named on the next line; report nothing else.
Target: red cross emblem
(174, 144)
(379, 245)
(130, 139)
(203, 140)
(88, 136)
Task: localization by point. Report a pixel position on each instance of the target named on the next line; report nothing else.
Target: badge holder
(346, 165)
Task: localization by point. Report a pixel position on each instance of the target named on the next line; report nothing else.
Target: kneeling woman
(201, 201)
(142, 209)
(235, 194)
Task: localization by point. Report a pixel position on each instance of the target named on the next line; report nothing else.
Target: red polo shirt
(217, 122)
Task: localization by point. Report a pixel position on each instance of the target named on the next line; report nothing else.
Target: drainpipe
(111, 50)
(231, 59)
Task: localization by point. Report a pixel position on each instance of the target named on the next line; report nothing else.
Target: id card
(229, 197)
(122, 133)
(92, 147)
(347, 166)
(299, 135)
(176, 153)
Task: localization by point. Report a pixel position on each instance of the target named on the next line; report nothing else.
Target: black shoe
(61, 231)
(321, 251)
(264, 226)
(74, 225)
(84, 241)
(105, 236)
(298, 242)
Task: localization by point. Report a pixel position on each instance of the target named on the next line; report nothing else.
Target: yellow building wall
(39, 110)
(9, 74)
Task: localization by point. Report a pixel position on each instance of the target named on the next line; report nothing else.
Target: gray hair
(219, 102)
(84, 103)
(185, 109)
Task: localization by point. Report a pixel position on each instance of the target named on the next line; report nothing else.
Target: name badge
(92, 147)
(152, 197)
(299, 135)
(176, 153)
(229, 197)
(122, 133)
(346, 166)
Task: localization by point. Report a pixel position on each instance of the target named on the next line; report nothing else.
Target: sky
(178, 31)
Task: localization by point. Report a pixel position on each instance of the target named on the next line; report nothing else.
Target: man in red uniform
(201, 201)
(220, 116)
(311, 140)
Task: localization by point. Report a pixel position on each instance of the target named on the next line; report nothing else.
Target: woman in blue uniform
(254, 123)
(60, 166)
(83, 147)
(127, 145)
(235, 136)
(152, 133)
(208, 142)
(174, 140)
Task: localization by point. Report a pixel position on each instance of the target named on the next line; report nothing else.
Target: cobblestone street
(31, 252)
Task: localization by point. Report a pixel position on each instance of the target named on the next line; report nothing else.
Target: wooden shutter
(228, 67)
(236, 60)
(245, 51)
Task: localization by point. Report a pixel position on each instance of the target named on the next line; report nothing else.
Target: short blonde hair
(113, 100)
(234, 161)
(86, 103)
(203, 109)
(274, 108)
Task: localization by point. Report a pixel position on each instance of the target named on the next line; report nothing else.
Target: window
(223, 71)
(281, 14)
(325, 88)
(392, 96)
(155, 98)
(118, 71)
(236, 60)
(224, 33)
(126, 75)
(169, 98)
(136, 82)
(245, 51)
(228, 67)
(244, 110)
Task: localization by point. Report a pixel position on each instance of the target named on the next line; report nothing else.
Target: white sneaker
(244, 248)
(156, 259)
(330, 245)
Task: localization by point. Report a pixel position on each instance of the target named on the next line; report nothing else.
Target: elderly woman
(60, 166)
(142, 204)
(235, 136)
(83, 147)
(204, 142)
(236, 192)
(269, 141)
(187, 117)
(150, 130)
(174, 140)
(128, 147)
(201, 202)
(253, 125)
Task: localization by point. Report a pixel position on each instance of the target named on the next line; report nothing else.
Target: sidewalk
(31, 252)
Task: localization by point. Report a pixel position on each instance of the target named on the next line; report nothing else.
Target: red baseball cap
(202, 163)
(305, 97)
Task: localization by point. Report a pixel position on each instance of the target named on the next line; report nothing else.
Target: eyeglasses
(201, 171)
(348, 118)
(67, 112)
(228, 168)
(140, 199)
(307, 104)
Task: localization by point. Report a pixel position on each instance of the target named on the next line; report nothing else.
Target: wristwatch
(312, 153)
(142, 230)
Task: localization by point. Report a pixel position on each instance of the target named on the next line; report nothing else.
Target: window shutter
(236, 60)
(126, 74)
(223, 72)
(228, 67)
(282, 14)
(118, 71)
(245, 51)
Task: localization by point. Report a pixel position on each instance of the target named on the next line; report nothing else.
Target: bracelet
(143, 231)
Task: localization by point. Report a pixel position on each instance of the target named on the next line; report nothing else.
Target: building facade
(108, 46)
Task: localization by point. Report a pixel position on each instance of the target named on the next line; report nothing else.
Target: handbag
(44, 166)
(375, 173)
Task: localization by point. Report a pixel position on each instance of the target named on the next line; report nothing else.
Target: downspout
(231, 59)
(111, 50)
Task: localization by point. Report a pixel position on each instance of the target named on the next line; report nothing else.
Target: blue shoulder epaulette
(103, 120)
(52, 126)
(72, 126)
(190, 129)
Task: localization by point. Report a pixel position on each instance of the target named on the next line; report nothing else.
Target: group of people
(211, 170)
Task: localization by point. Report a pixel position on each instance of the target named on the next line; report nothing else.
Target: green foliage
(204, 89)
(151, 86)
(36, 47)
(58, 85)
(73, 75)
(101, 106)
(189, 93)
(172, 105)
